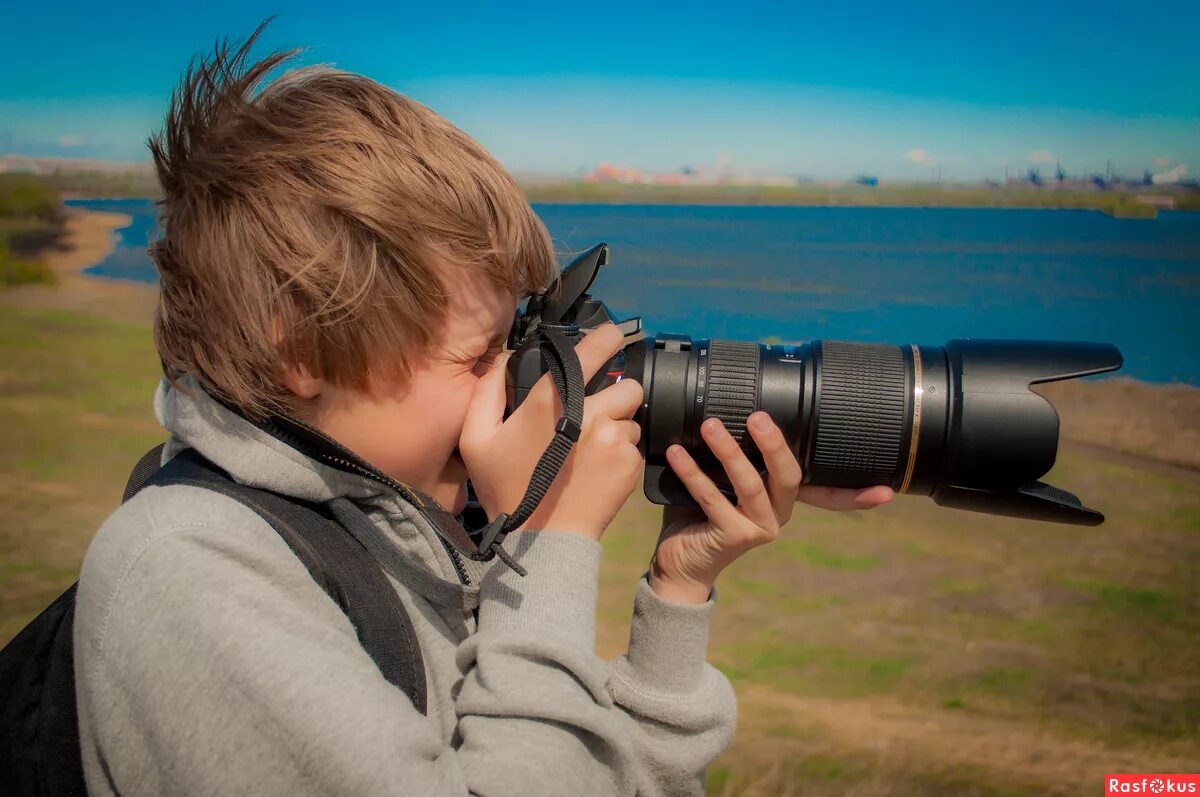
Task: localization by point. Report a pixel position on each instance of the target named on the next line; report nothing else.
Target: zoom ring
(860, 416)
(731, 390)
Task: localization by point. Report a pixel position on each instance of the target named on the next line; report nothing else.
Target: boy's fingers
(597, 348)
(871, 497)
(485, 413)
(844, 499)
(743, 476)
(619, 401)
(783, 471)
(716, 506)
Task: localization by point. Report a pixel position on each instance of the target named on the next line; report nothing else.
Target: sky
(897, 90)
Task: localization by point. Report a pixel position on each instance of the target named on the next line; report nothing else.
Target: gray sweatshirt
(209, 662)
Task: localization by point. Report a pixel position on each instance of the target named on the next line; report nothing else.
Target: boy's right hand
(603, 467)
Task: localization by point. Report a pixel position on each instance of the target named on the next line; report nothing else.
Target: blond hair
(316, 219)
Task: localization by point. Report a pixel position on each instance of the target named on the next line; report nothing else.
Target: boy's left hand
(696, 544)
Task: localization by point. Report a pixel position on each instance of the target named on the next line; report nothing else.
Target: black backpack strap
(147, 466)
(39, 723)
(337, 561)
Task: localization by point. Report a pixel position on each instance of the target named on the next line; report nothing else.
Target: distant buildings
(1109, 181)
(612, 173)
(24, 164)
(1178, 175)
(687, 175)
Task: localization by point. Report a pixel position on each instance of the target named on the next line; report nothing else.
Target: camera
(957, 423)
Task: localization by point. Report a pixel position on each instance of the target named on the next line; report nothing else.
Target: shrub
(23, 271)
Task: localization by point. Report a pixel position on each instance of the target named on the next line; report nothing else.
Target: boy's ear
(301, 382)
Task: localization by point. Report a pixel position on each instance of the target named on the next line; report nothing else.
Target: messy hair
(320, 218)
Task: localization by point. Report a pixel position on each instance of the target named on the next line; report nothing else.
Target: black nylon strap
(563, 365)
(337, 561)
(143, 471)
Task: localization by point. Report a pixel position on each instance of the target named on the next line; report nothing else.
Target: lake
(896, 275)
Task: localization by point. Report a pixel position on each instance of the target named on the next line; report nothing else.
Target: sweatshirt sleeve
(681, 710)
(209, 662)
(534, 681)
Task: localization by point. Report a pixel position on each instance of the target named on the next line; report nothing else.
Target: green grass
(804, 669)
(959, 586)
(1138, 603)
(75, 393)
(1004, 680)
(815, 555)
(828, 768)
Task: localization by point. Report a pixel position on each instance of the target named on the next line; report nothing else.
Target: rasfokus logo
(1157, 783)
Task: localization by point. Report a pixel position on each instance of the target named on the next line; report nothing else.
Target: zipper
(355, 464)
(456, 560)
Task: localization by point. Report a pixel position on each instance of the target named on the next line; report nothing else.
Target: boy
(339, 269)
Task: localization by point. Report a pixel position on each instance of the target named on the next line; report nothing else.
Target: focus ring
(731, 388)
(860, 415)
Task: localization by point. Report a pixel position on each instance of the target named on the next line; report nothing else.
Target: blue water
(921, 275)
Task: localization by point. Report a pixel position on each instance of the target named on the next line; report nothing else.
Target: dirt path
(934, 740)
(89, 237)
(1152, 422)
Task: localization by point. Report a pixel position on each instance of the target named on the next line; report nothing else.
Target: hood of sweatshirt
(287, 457)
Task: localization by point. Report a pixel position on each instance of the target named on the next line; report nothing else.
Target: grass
(1136, 603)
(816, 556)
(909, 650)
(75, 394)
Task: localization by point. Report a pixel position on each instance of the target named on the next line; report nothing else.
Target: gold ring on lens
(918, 389)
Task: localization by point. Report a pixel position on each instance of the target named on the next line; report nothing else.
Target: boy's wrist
(677, 590)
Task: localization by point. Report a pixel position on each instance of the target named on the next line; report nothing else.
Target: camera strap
(563, 364)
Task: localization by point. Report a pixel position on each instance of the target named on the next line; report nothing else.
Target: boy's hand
(696, 544)
(603, 467)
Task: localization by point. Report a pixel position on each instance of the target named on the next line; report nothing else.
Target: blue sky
(894, 89)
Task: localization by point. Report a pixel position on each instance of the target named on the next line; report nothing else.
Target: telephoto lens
(957, 422)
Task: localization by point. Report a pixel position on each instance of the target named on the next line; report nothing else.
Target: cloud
(1041, 156)
(70, 140)
(1178, 174)
(921, 157)
(1161, 162)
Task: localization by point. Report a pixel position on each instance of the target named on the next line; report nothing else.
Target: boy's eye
(486, 360)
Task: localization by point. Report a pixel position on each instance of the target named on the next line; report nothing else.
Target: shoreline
(89, 236)
(1116, 204)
